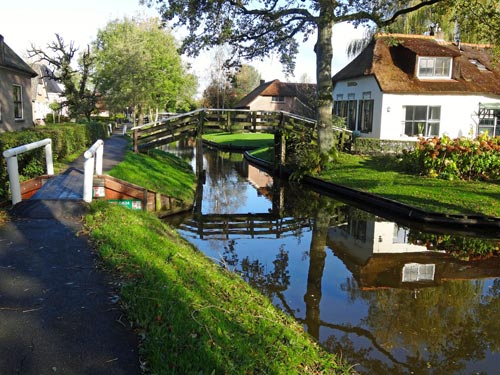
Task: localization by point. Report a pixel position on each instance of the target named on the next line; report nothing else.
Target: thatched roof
(303, 91)
(392, 61)
(9, 59)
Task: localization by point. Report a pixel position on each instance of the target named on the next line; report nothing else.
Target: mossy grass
(158, 171)
(385, 176)
(241, 140)
(195, 316)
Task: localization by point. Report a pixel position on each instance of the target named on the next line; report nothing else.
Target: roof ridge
(431, 37)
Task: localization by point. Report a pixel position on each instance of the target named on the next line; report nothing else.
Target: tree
(470, 21)
(138, 67)
(256, 29)
(245, 80)
(229, 86)
(219, 92)
(79, 93)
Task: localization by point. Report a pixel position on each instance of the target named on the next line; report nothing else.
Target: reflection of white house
(402, 86)
(364, 238)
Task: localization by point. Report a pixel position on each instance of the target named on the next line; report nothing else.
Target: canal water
(385, 296)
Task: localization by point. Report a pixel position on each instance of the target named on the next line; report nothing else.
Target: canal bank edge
(403, 213)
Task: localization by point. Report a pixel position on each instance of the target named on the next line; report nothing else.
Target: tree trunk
(324, 56)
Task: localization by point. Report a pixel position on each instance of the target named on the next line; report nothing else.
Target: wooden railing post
(136, 140)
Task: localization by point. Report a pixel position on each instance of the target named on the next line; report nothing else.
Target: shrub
(460, 158)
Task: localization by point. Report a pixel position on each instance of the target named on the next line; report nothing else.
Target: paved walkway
(59, 311)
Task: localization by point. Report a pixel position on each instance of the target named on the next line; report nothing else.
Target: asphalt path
(60, 312)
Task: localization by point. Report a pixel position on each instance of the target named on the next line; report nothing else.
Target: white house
(403, 86)
(45, 92)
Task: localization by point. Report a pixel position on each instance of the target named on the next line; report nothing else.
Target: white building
(403, 86)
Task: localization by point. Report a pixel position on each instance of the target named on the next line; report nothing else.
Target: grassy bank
(384, 176)
(158, 171)
(196, 317)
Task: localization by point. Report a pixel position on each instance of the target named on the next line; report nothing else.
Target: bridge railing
(13, 168)
(92, 165)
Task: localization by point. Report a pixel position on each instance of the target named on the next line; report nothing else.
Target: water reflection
(386, 296)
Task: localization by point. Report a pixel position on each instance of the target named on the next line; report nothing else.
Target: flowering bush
(460, 158)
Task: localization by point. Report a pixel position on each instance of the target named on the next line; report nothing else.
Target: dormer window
(434, 67)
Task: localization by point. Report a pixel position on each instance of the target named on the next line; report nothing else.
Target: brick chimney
(2, 50)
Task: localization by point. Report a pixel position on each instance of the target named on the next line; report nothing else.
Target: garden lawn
(384, 176)
(196, 317)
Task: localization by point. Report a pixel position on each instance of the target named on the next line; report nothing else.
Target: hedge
(66, 139)
(374, 146)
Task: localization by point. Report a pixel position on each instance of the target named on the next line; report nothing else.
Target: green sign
(133, 204)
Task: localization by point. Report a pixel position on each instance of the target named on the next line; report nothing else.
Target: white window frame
(18, 102)
(433, 64)
(278, 99)
(428, 123)
(490, 124)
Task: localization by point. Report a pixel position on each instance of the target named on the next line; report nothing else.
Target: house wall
(458, 113)
(8, 78)
(290, 104)
(357, 87)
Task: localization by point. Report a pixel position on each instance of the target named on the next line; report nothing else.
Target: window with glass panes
(346, 109)
(422, 120)
(365, 113)
(489, 122)
(18, 101)
(434, 67)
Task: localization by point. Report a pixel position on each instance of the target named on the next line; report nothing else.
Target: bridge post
(279, 147)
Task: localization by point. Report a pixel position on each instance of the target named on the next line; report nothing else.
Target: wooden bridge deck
(66, 186)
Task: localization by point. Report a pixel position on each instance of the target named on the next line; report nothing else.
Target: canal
(387, 297)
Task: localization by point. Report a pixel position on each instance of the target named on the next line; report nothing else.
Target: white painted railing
(93, 162)
(13, 168)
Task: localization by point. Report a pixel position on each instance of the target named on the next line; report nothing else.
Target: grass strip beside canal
(158, 171)
(196, 317)
(384, 176)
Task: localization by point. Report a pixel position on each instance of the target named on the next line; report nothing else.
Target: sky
(26, 22)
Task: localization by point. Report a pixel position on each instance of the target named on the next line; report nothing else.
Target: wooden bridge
(195, 123)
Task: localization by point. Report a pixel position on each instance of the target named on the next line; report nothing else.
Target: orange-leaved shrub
(460, 158)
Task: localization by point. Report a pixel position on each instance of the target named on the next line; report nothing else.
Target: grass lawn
(158, 171)
(243, 140)
(195, 316)
(383, 176)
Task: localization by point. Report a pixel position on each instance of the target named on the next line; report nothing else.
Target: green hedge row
(66, 139)
(373, 146)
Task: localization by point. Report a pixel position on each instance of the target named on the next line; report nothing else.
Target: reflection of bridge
(258, 224)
